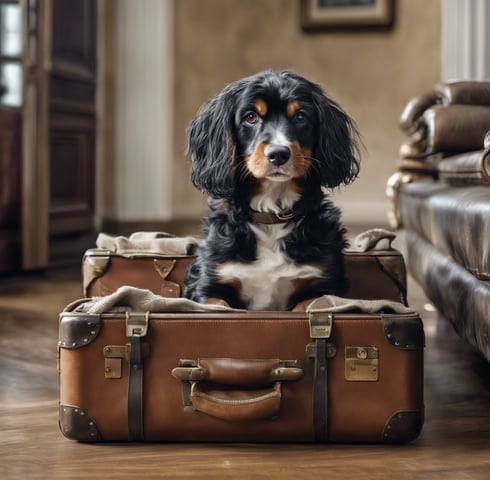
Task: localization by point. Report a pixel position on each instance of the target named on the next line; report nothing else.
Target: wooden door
(72, 101)
(10, 133)
(47, 125)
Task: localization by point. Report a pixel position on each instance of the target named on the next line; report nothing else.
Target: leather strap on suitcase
(320, 330)
(136, 329)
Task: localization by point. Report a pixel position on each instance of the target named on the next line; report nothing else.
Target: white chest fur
(267, 283)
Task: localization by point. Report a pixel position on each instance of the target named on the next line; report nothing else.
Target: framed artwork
(347, 14)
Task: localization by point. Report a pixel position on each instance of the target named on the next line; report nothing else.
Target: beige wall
(371, 74)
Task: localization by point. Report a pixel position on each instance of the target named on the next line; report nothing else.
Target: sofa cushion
(471, 168)
(458, 296)
(455, 220)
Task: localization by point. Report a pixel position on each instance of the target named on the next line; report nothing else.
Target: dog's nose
(277, 154)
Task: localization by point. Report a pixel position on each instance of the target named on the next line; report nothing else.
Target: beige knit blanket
(160, 243)
(139, 300)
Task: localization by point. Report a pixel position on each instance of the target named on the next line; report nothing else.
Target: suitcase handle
(239, 372)
(237, 405)
(237, 390)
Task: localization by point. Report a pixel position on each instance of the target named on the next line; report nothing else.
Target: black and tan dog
(265, 150)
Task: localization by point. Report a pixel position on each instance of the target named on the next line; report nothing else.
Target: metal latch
(320, 323)
(361, 364)
(320, 328)
(136, 324)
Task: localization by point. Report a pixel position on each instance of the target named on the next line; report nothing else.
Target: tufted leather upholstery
(458, 295)
(441, 203)
(456, 221)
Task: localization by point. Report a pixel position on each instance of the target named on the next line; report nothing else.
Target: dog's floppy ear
(336, 149)
(211, 144)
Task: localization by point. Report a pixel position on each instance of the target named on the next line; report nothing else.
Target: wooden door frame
(105, 105)
(35, 135)
(35, 182)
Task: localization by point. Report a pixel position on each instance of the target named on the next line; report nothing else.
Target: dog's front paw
(217, 301)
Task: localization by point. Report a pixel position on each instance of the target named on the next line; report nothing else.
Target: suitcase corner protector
(403, 426)
(76, 424)
(78, 330)
(404, 332)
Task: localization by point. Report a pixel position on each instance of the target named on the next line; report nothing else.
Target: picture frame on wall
(347, 14)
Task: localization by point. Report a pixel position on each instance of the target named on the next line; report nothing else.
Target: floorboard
(455, 442)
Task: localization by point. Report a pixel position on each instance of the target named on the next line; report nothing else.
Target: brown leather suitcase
(105, 271)
(256, 376)
(376, 274)
(372, 274)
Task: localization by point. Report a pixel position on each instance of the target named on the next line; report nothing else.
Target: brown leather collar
(270, 218)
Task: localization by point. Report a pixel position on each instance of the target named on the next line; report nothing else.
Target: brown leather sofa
(441, 203)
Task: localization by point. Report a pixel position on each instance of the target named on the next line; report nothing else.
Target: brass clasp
(114, 356)
(361, 363)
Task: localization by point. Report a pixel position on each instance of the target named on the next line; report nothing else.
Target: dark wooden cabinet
(10, 133)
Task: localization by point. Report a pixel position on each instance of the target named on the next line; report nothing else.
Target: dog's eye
(251, 117)
(300, 117)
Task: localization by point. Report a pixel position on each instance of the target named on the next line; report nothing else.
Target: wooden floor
(455, 443)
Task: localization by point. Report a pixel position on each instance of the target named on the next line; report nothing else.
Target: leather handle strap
(237, 405)
(235, 389)
(239, 372)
